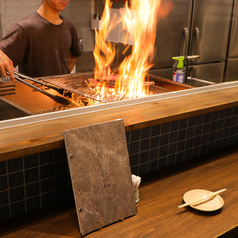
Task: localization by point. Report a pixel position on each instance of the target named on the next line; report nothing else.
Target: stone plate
(100, 173)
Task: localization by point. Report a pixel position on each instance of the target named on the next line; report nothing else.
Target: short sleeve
(14, 44)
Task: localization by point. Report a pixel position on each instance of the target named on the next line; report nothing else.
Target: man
(42, 44)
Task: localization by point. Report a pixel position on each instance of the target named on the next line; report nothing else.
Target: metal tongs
(20, 77)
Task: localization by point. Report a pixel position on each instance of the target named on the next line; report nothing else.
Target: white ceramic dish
(212, 204)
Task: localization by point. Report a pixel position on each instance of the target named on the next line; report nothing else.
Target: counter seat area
(158, 214)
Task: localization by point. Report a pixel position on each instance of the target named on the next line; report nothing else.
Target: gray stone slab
(100, 173)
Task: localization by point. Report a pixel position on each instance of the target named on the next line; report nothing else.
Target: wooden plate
(212, 204)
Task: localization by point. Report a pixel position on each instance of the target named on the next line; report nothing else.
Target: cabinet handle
(184, 44)
(197, 35)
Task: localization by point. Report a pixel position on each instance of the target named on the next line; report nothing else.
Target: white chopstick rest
(203, 198)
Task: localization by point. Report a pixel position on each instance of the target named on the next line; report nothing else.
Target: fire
(140, 21)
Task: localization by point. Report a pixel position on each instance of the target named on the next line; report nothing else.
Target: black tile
(220, 124)
(205, 139)
(135, 170)
(228, 122)
(189, 143)
(203, 149)
(127, 137)
(47, 199)
(61, 181)
(163, 150)
(165, 128)
(60, 154)
(4, 213)
(235, 111)
(134, 147)
(233, 130)
(61, 167)
(228, 112)
(145, 133)
(33, 204)
(134, 159)
(210, 147)
(179, 157)
(206, 128)
(174, 126)
(3, 198)
(17, 209)
(191, 121)
(16, 194)
(155, 130)
(199, 119)
(162, 163)
(231, 140)
(234, 120)
(226, 132)
(196, 152)
(31, 175)
(47, 185)
(144, 144)
(46, 171)
(222, 114)
(15, 179)
(171, 160)
(143, 169)
(173, 137)
(183, 123)
(3, 183)
(46, 157)
(180, 146)
(15, 165)
(3, 168)
(190, 132)
(144, 157)
(154, 154)
(155, 142)
(217, 145)
(135, 135)
(197, 141)
(30, 161)
(212, 136)
(32, 190)
(219, 134)
(207, 117)
(172, 148)
(182, 134)
(198, 130)
(153, 166)
(188, 154)
(164, 139)
(215, 115)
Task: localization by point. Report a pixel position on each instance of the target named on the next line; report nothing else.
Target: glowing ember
(140, 21)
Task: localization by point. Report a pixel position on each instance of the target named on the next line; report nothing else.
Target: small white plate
(212, 204)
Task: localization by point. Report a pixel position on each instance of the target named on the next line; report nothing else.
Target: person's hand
(6, 65)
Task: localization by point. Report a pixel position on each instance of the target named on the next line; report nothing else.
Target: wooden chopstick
(202, 198)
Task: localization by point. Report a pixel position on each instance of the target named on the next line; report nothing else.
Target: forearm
(6, 65)
(71, 62)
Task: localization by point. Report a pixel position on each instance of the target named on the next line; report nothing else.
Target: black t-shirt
(41, 48)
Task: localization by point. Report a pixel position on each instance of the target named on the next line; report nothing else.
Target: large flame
(139, 20)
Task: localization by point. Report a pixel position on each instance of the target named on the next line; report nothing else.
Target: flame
(140, 21)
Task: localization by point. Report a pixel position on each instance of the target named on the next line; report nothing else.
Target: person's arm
(6, 65)
(71, 62)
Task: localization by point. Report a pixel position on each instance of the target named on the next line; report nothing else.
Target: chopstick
(203, 198)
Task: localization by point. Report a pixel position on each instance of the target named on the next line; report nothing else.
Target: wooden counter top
(42, 136)
(158, 214)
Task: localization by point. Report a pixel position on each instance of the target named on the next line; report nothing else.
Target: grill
(27, 101)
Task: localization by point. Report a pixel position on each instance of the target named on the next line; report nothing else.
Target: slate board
(100, 173)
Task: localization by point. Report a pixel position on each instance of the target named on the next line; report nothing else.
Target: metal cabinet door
(232, 70)
(210, 29)
(173, 33)
(211, 72)
(233, 48)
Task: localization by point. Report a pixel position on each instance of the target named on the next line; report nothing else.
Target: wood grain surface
(43, 136)
(158, 214)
